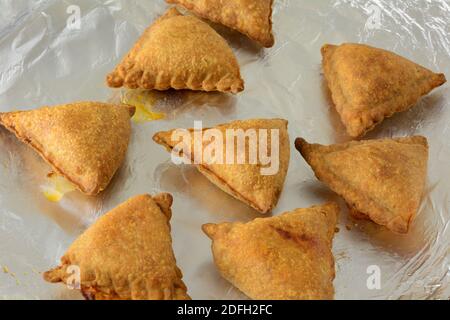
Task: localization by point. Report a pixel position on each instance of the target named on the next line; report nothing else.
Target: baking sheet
(44, 62)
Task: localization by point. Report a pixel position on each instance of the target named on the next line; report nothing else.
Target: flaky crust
(244, 181)
(286, 257)
(250, 17)
(86, 142)
(369, 84)
(127, 254)
(381, 179)
(179, 52)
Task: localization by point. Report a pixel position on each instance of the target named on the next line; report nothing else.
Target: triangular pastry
(382, 180)
(250, 17)
(86, 142)
(125, 255)
(243, 180)
(179, 52)
(286, 257)
(369, 84)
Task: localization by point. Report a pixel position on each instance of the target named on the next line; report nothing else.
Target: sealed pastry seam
(100, 288)
(107, 289)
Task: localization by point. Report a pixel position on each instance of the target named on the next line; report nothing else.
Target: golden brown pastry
(286, 257)
(244, 181)
(250, 17)
(126, 254)
(382, 180)
(369, 84)
(86, 142)
(179, 52)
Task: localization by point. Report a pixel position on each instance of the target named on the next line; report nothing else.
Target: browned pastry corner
(126, 254)
(250, 17)
(382, 180)
(368, 84)
(242, 181)
(179, 52)
(86, 142)
(286, 257)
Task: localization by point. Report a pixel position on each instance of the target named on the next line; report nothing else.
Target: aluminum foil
(46, 59)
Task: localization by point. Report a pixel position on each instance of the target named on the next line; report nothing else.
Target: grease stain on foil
(144, 102)
(56, 187)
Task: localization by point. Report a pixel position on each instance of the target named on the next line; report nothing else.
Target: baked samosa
(250, 17)
(368, 84)
(382, 180)
(85, 142)
(179, 52)
(125, 255)
(286, 257)
(245, 180)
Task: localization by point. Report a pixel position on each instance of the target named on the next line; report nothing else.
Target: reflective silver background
(44, 63)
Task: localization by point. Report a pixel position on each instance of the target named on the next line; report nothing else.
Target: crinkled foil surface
(44, 62)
